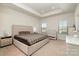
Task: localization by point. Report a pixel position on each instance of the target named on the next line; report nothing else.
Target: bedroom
(45, 18)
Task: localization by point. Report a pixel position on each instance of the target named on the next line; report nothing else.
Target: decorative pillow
(24, 32)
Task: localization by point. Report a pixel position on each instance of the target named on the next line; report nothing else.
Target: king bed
(27, 41)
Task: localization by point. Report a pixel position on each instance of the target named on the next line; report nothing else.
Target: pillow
(24, 32)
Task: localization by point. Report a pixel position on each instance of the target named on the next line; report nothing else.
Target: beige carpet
(53, 48)
(10, 51)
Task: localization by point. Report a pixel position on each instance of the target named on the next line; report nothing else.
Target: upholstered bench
(5, 41)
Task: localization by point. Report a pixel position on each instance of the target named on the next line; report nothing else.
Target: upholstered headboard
(17, 28)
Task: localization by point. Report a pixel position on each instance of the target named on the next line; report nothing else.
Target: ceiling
(42, 8)
(46, 9)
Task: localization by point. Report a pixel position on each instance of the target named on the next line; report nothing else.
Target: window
(44, 27)
(62, 26)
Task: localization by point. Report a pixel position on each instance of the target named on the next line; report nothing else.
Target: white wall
(52, 22)
(77, 17)
(9, 17)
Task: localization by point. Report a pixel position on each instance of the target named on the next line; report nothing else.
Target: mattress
(30, 39)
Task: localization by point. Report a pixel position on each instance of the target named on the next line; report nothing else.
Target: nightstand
(5, 41)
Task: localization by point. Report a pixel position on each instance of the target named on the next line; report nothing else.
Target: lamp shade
(34, 29)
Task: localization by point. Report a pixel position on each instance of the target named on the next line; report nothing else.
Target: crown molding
(34, 12)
